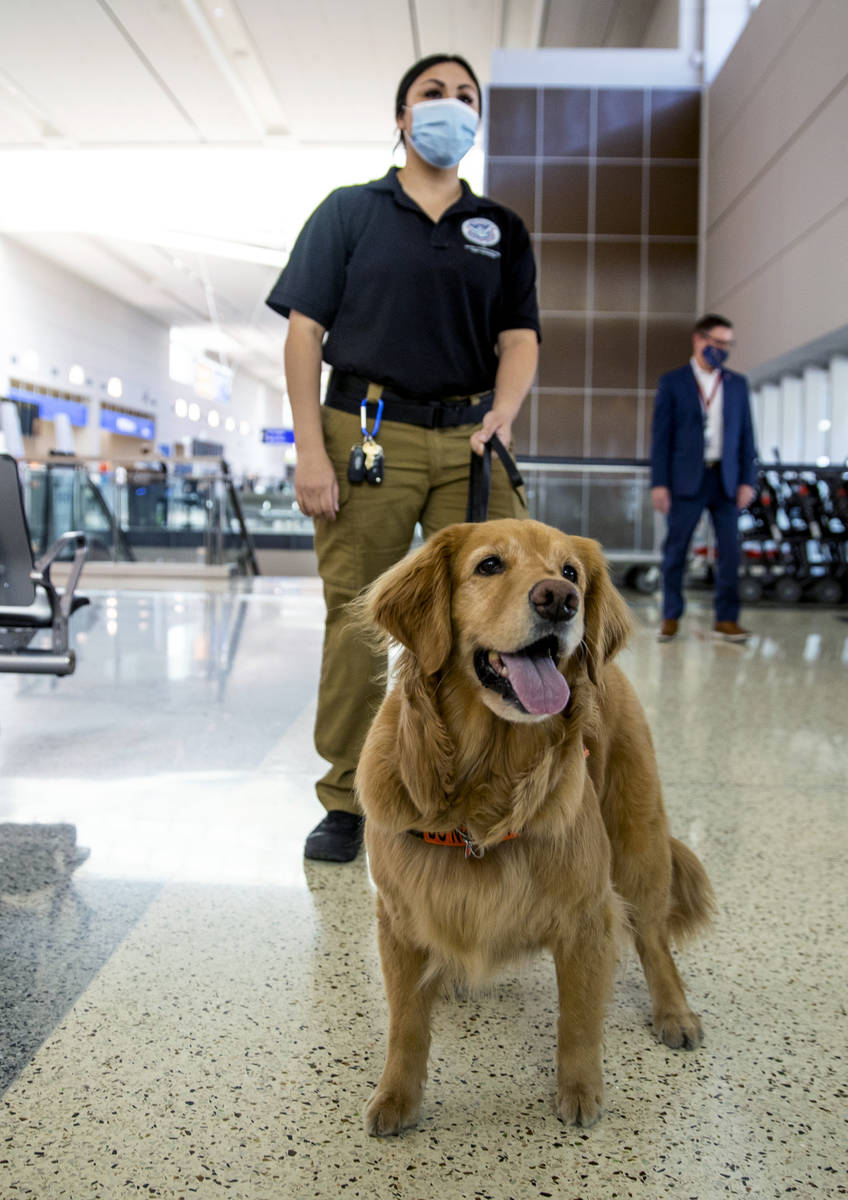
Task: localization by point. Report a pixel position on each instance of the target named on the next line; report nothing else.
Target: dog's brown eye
(489, 566)
(569, 573)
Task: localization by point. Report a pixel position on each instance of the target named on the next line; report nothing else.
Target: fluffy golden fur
(464, 740)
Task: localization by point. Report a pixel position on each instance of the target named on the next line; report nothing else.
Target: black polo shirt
(411, 304)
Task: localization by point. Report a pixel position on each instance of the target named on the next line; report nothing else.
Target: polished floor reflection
(188, 1009)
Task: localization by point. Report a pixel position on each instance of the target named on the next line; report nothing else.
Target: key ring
(363, 419)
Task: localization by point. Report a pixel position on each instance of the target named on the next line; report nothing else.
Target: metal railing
(158, 510)
(179, 510)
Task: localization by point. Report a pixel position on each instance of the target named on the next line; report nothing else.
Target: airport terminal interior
(190, 1007)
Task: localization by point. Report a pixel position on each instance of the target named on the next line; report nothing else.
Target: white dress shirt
(710, 384)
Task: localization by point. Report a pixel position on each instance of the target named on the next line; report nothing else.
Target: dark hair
(423, 65)
(709, 321)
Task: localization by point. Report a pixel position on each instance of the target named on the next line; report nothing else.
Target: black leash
(480, 478)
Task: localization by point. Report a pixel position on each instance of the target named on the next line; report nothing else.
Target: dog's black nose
(555, 599)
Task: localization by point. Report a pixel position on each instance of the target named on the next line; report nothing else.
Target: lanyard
(706, 401)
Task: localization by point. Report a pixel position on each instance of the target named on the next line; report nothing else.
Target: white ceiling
(169, 150)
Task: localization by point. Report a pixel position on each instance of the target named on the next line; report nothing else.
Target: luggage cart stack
(794, 536)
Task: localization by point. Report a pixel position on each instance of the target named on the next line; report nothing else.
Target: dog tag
(356, 465)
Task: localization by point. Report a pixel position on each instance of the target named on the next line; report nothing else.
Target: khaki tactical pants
(426, 481)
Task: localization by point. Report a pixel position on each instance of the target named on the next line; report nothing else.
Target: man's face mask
(443, 131)
(715, 358)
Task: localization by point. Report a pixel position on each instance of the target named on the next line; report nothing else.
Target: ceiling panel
(72, 59)
(295, 96)
(471, 29)
(17, 128)
(169, 41)
(335, 66)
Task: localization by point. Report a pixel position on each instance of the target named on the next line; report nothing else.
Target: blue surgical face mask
(714, 357)
(443, 131)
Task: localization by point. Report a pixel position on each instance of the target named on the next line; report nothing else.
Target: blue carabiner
(363, 418)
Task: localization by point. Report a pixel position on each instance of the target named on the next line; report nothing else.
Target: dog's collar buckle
(471, 851)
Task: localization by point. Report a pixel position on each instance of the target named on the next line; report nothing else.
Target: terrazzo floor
(193, 1011)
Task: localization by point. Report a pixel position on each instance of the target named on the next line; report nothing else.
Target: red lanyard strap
(706, 401)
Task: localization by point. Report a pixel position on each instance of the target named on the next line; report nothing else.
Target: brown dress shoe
(729, 631)
(668, 630)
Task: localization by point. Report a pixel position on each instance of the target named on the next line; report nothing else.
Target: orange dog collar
(461, 837)
(457, 837)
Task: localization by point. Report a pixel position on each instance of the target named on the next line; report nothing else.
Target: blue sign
(278, 437)
(49, 406)
(128, 426)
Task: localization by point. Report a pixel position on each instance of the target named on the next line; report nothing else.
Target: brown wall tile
(620, 123)
(613, 426)
(672, 277)
(563, 269)
(513, 184)
(668, 345)
(522, 424)
(565, 122)
(562, 355)
(615, 352)
(565, 198)
(561, 424)
(675, 123)
(673, 204)
(512, 121)
(619, 199)
(617, 409)
(618, 276)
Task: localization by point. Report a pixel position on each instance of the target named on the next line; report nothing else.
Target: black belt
(346, 393)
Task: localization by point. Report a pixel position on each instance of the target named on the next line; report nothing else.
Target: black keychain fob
(356, 465)
(374, 472)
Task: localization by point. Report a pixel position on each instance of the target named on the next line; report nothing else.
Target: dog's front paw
(389, 1112)
(580, 1103)
(679, 1031)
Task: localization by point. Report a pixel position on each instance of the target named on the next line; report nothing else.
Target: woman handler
(427, 295)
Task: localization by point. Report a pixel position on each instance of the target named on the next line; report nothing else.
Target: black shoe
(337, 838)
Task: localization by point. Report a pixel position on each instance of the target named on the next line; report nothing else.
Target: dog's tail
(693, 903)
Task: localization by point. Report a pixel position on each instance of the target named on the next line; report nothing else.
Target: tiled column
(606, 179)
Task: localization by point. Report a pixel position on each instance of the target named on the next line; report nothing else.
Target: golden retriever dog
(512, 800)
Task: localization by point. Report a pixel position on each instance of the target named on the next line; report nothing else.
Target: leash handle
(480, 478)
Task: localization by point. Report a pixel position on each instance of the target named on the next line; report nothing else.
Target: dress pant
(682, 519)
(425, 480)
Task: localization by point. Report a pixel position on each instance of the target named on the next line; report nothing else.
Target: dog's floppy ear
(411, 602)
(607, 617)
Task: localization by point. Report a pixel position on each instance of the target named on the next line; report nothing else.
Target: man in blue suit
(703, 456)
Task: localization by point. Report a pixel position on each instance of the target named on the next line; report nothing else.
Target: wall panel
(606, 180)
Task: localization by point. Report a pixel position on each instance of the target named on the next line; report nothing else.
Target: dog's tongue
(537, 683)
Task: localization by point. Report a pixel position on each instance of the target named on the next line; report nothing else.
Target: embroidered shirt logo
(481, 231)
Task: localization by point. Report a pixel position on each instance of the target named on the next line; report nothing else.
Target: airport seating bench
(29, 601)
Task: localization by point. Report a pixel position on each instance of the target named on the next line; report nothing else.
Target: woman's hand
(316, 488)
(493, 422)
(518, 354)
